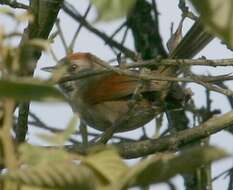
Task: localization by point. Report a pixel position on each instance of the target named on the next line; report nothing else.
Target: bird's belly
(116, 113)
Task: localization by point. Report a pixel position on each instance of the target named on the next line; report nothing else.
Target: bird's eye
(73, 67)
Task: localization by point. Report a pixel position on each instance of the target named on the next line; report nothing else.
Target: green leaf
(162, 167)
(108, 164)
(112, 9)
(52, 168)
(218, 17)
(40, 43)
(28, 90)
(58, 175)
(34, 156)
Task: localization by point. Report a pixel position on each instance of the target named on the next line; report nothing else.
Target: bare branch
(181, 62)
(62, 36)
(22, 123)
(170, 142)
(118, 29)
(71, 11)
(14, 4)
(71, 47)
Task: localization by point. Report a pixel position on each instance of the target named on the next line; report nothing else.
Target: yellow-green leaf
(40, 43)
(108, 164)
(218, 17)
(34, 156)
(26, 16)
(112, 9)
(162, 167)
(58, 175)
(28, 90)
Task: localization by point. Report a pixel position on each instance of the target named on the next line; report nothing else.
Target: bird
(111, 99)
(107, 99)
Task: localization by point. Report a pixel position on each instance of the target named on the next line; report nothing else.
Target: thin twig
(71, 47)
(124, 36)
(181, 62)
(149, 76)
(204, 81)
(224, 173)
(62, 36)
(71, 11)
(186, 12)
(14, 4)
(205, 180)
(118, 29)
(213, 87)
(39, 123)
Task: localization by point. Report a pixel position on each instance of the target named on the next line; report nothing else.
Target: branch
(181, 62)
(178, 140)
(45, 14)
(62, 37)
(118, 29)
(71, 46)
(144, 27)
(22, 122)
(213, 87)
(155, 76)
(14, 4)
(170, 142)
(71, 11)
(202, 80)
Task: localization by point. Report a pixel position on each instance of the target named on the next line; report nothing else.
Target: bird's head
(72, 65)
(77, 62)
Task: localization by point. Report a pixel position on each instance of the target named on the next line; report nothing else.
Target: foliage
(112, 9)
(69, 163)
(102, 168)
(28, 90)
(218, 18)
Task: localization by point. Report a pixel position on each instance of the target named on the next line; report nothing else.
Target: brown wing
(114, 86)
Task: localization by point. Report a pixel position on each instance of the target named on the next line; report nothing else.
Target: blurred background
(58, 115)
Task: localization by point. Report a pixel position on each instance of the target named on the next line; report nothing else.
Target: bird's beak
(49, 69)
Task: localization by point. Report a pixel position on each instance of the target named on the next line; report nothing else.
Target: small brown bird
(107, 99)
